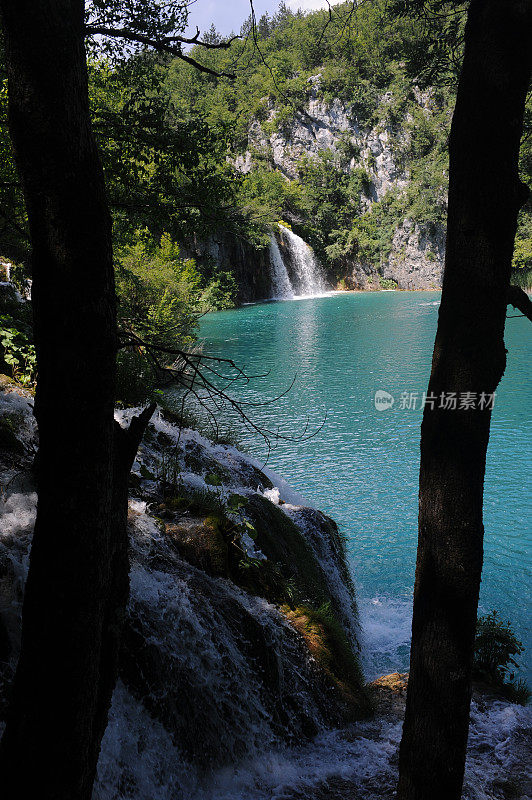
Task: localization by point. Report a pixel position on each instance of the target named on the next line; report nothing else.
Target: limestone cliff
(415, 258)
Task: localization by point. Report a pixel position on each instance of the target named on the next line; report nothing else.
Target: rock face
(320, 128)
(416, 260)
(417, 253)
(250, 266)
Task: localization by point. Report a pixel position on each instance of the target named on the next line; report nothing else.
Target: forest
(264, 400)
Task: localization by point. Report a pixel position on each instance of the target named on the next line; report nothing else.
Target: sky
(228, 15)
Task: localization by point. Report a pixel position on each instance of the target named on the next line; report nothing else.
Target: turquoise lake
(361, 467)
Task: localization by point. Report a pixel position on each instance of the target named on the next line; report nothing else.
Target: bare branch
(170, 44)
(196, 378)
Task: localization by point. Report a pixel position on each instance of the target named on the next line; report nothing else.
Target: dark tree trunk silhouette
(485, 195)
(78, 576)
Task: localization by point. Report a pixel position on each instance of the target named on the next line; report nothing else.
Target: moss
(212, 479)
(291, 573)
(6, 382)
(328, 645)
(10, 425)
(201, 542)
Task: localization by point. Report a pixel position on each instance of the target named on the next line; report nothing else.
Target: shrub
(220, 293)
(496, 649)
(159, 302)
(387, 283)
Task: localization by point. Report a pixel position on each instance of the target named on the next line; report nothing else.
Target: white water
(308, 278)
(281, 286)
(194, 632)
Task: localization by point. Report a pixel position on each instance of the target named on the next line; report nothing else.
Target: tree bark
(78, 574)
(469, 356)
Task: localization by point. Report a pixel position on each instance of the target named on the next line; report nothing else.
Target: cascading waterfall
(308, 278)
(281, 286)
(219, 699)
(304, 278)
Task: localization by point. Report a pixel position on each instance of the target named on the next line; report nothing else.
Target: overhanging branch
(519, 299)
(169, 44)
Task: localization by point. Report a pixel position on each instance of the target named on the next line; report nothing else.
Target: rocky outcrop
(415, 260)
(319, 128)
(241, 625)
(249, 265)
(224, 692)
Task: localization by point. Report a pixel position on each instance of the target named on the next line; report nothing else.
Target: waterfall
(307, 276)
(281, 286)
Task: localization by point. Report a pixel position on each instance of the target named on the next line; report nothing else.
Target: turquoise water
(361, 467)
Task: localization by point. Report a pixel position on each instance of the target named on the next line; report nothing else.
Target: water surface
(362, 466)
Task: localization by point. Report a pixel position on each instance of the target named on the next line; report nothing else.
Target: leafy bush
(387, 283)
(159, 302)
(221, 292)
(17, 352)
(496, 648)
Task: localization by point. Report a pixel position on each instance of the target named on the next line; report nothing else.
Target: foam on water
(364, 756)
(386, 631)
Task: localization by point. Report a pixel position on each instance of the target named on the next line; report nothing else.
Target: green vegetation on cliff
(173, 140)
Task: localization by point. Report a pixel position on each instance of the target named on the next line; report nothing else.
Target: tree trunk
(78, 575)
(469, 356)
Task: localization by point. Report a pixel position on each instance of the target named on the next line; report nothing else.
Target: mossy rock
(198, 502)
(6, 382)
(291, 567)
(328, 645)
(201, 543)
(10, 425)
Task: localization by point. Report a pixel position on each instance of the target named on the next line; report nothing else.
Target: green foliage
(495, 652)
(166, 169)
(161, 296)
(495, 647)
(17, 352)
(522, 258)
(220, 293)
(159, 291)
(387, 283)
(159, 302)
(212, 479)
